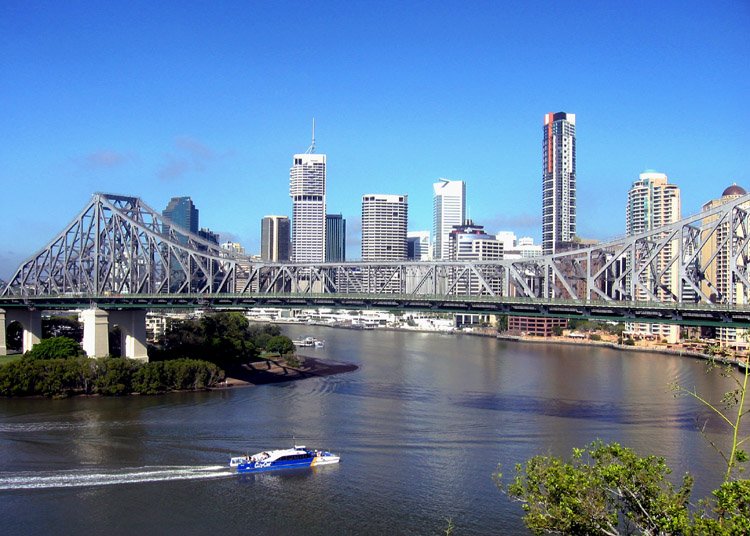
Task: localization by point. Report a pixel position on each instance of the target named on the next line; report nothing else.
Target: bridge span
(120, 257)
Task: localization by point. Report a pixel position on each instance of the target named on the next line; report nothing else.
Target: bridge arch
(31, 322)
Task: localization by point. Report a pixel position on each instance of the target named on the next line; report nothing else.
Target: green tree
(280, 344)
(607, 489)
(729, 514)
(55, 348)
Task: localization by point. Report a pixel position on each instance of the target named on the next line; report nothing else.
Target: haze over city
(153, 101)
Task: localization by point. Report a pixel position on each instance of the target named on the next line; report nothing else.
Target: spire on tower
(311, 149)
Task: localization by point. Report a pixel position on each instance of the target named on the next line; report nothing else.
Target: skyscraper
(182, 212)
(558, 180)
(307, 188)
(384, 221)
(335, 238)
(652, 203)
(448, 210)
(274, 238)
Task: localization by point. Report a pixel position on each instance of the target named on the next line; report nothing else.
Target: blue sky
(211, 99)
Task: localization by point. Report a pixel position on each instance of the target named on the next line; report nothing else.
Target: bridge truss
(120, 245)
(117, 245)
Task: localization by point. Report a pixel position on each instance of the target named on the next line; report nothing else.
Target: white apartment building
(384, 221)
(307, 188)
(449, 210)
(652, 203)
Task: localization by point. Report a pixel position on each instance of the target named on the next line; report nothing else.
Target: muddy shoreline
(276, 371)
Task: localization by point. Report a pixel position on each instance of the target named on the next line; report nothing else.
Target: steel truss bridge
(118, 253)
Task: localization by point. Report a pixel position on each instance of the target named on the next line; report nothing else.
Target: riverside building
(719, 269)
(652, 203)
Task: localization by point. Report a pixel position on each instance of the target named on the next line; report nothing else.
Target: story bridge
(119, 258)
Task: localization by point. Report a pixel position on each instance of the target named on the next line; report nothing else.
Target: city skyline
(215, 114)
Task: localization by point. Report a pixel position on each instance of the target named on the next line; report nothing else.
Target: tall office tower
(558, 180)
(717, 262)
(307, 188)
(182, 212)
(335, 238)
(384, 220)
(418, 246)
(652, 203)
(448, 210)
(274, 238)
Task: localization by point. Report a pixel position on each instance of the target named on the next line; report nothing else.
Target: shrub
(55, 348)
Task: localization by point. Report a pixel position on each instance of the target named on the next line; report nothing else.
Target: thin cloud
(105, 159)
(511, 222)
(190, 155)
(195, 148)
(173, 169)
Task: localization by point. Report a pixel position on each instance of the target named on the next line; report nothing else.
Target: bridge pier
(132, 325)
(31, 320)
(3, 345)
(95, 332)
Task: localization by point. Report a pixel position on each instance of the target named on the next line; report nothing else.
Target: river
(420, 426)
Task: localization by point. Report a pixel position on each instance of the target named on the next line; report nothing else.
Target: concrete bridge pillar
(30, 320)
(3, 347)
(132, 325)
(95, 332)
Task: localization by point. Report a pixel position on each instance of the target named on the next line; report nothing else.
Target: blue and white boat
(270, 460)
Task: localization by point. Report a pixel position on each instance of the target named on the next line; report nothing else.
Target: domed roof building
(717, 266)
(734, 190)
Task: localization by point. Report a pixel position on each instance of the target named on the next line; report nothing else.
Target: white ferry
(269, 460)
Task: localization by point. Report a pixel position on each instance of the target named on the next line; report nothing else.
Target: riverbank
(487, 332)
(276, 370)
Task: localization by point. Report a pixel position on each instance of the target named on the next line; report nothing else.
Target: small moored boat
(269, 460)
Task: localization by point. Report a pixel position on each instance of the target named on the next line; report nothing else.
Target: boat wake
(132, 475)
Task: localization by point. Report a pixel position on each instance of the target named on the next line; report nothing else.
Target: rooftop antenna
(311, 149)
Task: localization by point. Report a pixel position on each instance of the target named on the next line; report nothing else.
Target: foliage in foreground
(605, 490)
(104, 376)
(609, 489)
